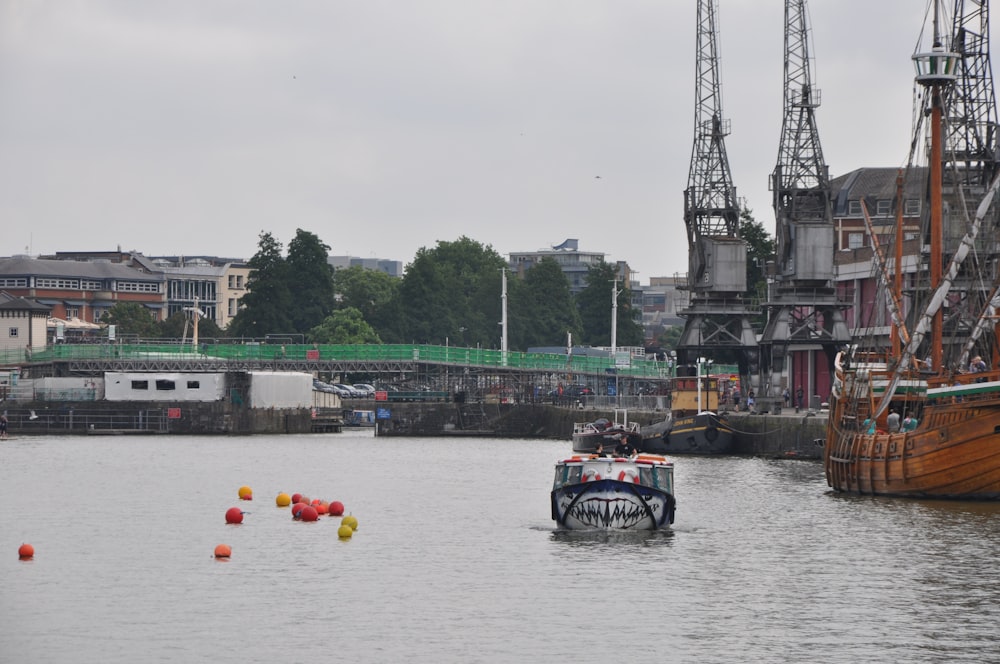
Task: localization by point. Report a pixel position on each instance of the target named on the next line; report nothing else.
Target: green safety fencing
(480, 357)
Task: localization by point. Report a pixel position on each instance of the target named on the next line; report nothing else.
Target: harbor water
(456, 559)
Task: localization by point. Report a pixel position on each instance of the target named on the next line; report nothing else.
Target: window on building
(163, 384)
(194, 384)
(239, 281)
(232, 281)
(232, 306)
(13, 332)
(72, 312)
(140, 384)
(883, 208)
(911, 207)
(855, 240)
(854, 208)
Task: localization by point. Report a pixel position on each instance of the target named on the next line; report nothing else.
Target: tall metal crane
(969, 160)
(718, 317)
(802, 303)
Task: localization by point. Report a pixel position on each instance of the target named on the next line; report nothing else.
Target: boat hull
(704, 433)
(586, 443)
(608, 504)
(954, 453)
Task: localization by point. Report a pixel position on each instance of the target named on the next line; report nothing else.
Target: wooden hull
(954, 453)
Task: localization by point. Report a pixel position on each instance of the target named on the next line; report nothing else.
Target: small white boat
(586, 435)
(608, 493)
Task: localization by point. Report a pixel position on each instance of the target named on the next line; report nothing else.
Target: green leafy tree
(267, 304)
(131, 318)
(309, 281)
(760, 250)
(453, 286)
(542, 309)
(174, 327)
(369, 291)
(344, 326)
(594, 303)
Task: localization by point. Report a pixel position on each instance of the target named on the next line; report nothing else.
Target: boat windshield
(567, 475)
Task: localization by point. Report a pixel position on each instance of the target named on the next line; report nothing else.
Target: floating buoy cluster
(302, 507)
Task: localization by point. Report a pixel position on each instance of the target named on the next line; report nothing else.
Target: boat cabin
(644, 470)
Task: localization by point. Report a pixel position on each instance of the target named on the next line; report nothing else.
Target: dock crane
(803, 311)
(718, 317)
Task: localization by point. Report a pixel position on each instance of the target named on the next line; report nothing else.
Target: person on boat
(600, 449)
(625, 448)
(978, 366)
(892, 421)
(909, 423)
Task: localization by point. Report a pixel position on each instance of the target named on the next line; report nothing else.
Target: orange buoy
(283, 500)
(234, 515)
(336, 508)
(246, 493)
(223, 551)
(315, 501)
(26, 552)
(323, 508)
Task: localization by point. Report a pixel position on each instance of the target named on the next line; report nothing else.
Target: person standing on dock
(799, 402)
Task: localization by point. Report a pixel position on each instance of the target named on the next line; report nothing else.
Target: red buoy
(234, 515)
(297, 510)
(309, 513)
(296, 498)
(26, 552)
(223, 551)
(336, 508)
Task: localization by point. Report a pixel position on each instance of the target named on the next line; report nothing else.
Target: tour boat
(609, 493)
(949, 446)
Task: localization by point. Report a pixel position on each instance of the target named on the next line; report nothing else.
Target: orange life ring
(629, 471)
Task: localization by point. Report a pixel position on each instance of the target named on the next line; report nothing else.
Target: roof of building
(874, 184)
(9, 302)
(26, 266)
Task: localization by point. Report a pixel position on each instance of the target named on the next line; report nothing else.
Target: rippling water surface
(456, 560)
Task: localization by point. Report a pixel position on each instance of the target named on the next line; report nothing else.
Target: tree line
(449, 294)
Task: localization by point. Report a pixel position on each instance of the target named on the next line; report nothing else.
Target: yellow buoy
(345, 531)
(283, 500)
(246, 493)
(350, 522)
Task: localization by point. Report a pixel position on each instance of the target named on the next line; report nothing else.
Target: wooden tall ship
(947, 440)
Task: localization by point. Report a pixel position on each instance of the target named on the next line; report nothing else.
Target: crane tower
(718, 317)
(803, 308)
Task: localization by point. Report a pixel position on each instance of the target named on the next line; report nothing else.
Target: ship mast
(936, 71)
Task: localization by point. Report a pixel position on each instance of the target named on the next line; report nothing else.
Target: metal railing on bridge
(419, 353)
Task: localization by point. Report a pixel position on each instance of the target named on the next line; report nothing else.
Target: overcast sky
(384, 126)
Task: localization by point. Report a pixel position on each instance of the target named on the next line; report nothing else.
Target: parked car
(367, 390)
(349, 391)
(342, 391)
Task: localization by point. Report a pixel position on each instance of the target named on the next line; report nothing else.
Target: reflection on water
(610, 538)
(458, 560)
